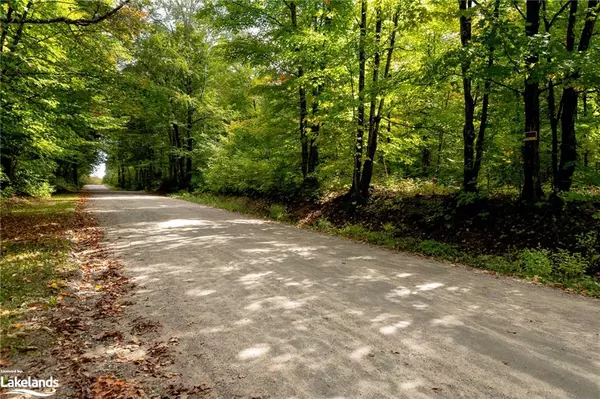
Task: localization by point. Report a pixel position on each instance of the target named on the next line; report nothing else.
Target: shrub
(569, 266)
(277, 212)
(500, 264)
(323, 224)
(354, 231)
(535, 262)
(439, 249)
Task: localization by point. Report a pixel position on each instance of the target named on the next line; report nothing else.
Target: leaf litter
(85, 341)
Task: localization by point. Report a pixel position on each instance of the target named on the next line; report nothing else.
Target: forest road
(265, 310)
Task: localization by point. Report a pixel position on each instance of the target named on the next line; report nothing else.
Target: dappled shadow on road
(266, 309)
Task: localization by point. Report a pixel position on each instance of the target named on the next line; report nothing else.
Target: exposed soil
(486, 226)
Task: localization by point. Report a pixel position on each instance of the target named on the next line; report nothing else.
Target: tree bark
(189, 139)
(553, 116)
(315, 130)
(486, 100)
(360, 130)
(304, 142)
(532, 186)
(181, 160)
(376, 114)
(586, 151)
(570, 96)
(469, 184)
(367, 173)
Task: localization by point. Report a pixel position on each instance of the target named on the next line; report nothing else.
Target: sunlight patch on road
(447, 321)
(183, 222)
(399, 292)
(387, 330)
(429, 286)
(253, 278)
(254, 352)
(200, 292)
(359, 353)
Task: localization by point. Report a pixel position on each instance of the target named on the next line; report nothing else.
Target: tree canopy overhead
(299, 98)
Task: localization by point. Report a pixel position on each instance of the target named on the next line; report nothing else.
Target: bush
(535, 262)
(500, 264)
(569, 266)
(323, 224)
(277, 212)
(438, 249)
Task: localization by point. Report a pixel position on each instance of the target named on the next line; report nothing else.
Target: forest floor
(555, 243)
(260, 309)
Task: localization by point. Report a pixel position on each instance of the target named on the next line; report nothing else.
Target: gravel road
(264, 310)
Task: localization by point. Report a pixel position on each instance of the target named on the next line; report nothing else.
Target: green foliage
(438, 249)
(277, 212)
(465, 198)
(498, 264)
(323, 224)
(535, 262)
(56, 81)
(569, 266)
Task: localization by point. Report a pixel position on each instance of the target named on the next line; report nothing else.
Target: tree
(570, 95)
(532, 185)
(53, 72)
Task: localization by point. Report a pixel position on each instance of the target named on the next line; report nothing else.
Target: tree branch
(518, 9)
(563, 8)
(505, 86)
(68, 21)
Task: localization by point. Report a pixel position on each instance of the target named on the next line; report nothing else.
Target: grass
(556, 269)
(35, 247)
(561, 269)
(242, 205)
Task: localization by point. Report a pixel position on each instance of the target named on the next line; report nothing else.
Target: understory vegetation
(34, 266)
(466, 130)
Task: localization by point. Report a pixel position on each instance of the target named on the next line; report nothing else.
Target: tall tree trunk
(181, 159)
(570, 96)
(532, 186)
(189, 140)
(315, 129)
(172, 161)
(425, 156)
(586, 151)
(367, 172)
(553, 116)
(376, 114)
(8, 167)
(486, 100)
(313, 156)
(15, 39)
(302, 99)
(360, 129)
(469, 184)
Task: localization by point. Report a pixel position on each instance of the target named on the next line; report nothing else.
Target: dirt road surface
(264, 310)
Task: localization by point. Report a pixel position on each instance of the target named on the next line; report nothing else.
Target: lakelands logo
(20, 386)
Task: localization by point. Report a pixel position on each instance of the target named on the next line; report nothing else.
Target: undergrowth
(34, 264)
